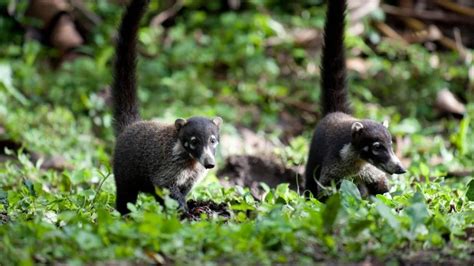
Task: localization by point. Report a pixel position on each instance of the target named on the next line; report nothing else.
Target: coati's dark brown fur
(343, 146)
(149, 153)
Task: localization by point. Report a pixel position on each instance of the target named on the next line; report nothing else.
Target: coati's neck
(179, 152)
(350, 156)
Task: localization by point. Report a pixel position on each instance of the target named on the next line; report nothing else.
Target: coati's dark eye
(376, 146)
(213, 140)
(194, 142)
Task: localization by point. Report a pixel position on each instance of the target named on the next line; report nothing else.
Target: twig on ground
(427, 15)
(166, 14)
(462, 10)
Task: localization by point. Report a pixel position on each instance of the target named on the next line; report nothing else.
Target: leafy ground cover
(218, 62)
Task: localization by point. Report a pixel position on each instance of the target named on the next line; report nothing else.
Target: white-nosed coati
(149, 153)
(343, 146)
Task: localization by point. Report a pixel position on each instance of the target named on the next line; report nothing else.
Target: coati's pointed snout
(400, 170)
(209, 165)
(397, 170)
(207, 159)
(394, 166)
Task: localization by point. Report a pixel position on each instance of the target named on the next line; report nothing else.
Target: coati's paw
(183, 207)
(363, 189)
(379, 187)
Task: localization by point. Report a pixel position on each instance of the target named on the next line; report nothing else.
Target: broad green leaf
(460, 137)
(6, 80)
(417, 213)
(331, 211)
(470, 190)
(387, 214)
(30, 186)
(348, 188)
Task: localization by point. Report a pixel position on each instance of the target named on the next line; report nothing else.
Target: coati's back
(143, 149)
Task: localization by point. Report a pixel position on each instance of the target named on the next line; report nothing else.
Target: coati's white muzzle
(207, 159)
(393, 165)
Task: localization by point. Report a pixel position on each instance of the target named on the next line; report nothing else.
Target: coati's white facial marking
(207, 158)
(376, 148)
(178, 148)
(346, 152)
(208, 153)
(382, 156)
(385, 123)
(193, 143)
(213, 141)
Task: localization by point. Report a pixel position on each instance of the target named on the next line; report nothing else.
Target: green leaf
(417, 211)
(331, 211)
(459, 138)
(87, 240)
(6, 80)
(386, 213)
(348, 188)
(4, 198)
(470, 190)
(29, 185)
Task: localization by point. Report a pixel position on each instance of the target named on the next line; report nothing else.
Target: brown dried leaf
(446, 102)
(65, 36)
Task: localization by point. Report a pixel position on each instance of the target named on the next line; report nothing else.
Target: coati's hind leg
(150, 189)
(125, 195)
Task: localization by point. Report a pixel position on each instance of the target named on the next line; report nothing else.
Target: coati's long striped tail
(124, 88)
(334, 94)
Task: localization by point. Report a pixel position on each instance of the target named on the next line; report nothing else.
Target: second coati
(344, 146)
(149, 153)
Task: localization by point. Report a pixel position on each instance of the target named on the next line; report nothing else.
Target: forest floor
(259, 71)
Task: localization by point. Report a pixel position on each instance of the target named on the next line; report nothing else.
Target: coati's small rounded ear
(217, 121)
(385, 123)
(357, 127)
(179, 123)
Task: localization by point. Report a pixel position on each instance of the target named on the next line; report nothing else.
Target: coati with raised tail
(344, 146)
(149, 153)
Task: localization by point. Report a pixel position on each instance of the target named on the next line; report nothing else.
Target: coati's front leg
(329, 174)
(372, 180)
(177, 193)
